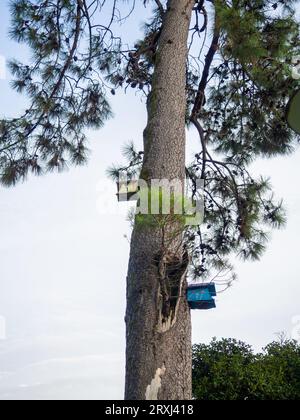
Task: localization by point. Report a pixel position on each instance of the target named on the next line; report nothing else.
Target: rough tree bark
(158, 355)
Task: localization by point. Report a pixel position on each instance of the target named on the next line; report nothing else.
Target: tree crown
(237, 91)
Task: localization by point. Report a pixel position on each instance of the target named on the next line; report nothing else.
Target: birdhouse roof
(211, 287)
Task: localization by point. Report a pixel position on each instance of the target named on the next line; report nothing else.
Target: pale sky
(63, 266)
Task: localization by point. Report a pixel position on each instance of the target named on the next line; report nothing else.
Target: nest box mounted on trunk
(127, 190)
(200, 296)
(293, 112)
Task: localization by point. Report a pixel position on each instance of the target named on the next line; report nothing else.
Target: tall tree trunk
(158, 355)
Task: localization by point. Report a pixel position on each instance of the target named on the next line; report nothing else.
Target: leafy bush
(230, 370)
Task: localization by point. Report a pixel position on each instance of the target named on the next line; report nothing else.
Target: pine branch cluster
(239, 81)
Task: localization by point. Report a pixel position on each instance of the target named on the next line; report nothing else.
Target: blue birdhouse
(201, 296)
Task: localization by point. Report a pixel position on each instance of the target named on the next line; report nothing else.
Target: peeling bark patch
(173, 277)
(153, 389)
(164, 324)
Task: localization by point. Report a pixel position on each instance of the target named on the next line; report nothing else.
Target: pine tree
(234, 92)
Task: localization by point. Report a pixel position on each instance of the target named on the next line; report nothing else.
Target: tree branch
(205, 75)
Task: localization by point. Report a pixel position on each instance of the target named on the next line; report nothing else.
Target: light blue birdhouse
(200, 296)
